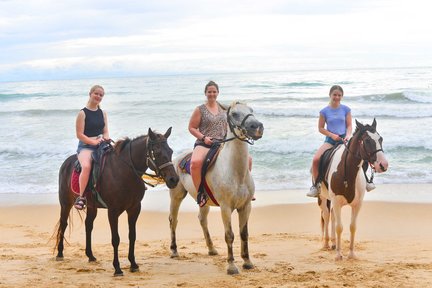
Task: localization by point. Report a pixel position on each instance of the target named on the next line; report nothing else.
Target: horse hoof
(59, 258)
(338, 258)
(232, 270)
(174, 255)
(352, 256)
(134, 269)
(213, 252)
(118, 273)
(248, 266)
(92, 259)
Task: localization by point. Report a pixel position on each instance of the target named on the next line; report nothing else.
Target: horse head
(371, 146)
(159, 156)
(242, 122)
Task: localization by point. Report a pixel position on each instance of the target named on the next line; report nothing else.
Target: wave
(14, 96)
(39, 112)
(286, 84)
(409, 96)
(360, 113)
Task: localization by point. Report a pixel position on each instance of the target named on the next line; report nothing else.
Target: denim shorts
(82, 145)
(333, 142)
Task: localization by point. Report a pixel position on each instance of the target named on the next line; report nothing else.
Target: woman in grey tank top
(207, 123)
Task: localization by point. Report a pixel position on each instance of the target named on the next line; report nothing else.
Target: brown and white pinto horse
(344, 182)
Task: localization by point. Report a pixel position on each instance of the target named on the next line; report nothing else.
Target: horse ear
(168, 133)
(374, 124)
(151, 134)
(358, 124)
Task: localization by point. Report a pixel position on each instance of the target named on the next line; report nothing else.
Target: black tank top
(94, 122)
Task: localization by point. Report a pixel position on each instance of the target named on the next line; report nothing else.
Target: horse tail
(58, 234)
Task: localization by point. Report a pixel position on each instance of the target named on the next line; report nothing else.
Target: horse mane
(363, 129)
(236, 102)
(121, 144)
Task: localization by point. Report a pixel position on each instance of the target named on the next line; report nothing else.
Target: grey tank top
(214, 126)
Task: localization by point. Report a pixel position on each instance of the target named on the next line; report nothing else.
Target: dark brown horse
(121, 188)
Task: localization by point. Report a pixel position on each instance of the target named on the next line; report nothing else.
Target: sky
(52, 39)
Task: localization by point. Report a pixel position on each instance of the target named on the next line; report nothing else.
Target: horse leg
(353, 227)
(115, 239)
(244, 235)
(339, 228)
(63, 223)
(229, 239)
(325, 217)
(203, 213)
(333, 229)
(91, 215)
(133, 214)
(177, 195)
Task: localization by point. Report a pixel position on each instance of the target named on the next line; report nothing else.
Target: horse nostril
(382, 167)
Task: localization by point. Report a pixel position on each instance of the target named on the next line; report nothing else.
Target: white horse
(230, 181)
(345, 182)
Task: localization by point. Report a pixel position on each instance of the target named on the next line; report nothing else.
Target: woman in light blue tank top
(335, 122)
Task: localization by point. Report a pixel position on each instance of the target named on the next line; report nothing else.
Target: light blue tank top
(336, 118)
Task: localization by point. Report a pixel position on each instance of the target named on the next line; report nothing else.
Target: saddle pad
(75, 182)
(184, 164)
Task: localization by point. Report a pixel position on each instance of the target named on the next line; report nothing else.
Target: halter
(232, 127)
(150, 161)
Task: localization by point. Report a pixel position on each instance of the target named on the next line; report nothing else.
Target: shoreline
(158, 199)
(392, 242)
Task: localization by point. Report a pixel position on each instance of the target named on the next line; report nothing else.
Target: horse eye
(235, 114)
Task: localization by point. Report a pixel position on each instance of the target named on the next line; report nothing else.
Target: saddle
(324, 164)
(204, 191)
(98, 157)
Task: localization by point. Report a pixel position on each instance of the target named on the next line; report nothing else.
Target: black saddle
(324, 164)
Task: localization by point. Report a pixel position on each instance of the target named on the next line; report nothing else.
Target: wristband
(203, 138)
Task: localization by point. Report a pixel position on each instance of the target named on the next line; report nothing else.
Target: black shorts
(202, 144)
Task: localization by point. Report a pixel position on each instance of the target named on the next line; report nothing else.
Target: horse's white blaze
(381, 161)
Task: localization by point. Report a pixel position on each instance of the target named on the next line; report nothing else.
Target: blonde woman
(91, 130)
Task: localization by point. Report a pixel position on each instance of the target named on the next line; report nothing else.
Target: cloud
(45, 39)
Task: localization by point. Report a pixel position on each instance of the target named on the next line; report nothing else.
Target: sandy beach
(394, 248)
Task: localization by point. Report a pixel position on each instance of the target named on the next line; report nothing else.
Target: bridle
(240, 127)
(358, 155)
(151, 159)
(150, 162)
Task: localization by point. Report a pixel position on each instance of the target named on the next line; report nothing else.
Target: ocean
(38, 120)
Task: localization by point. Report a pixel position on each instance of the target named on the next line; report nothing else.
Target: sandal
(202, 199)
(80, 203)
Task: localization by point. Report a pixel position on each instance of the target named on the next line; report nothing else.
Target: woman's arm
(194, 123)
(105, 132)
(79, 127)
(348, 120)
